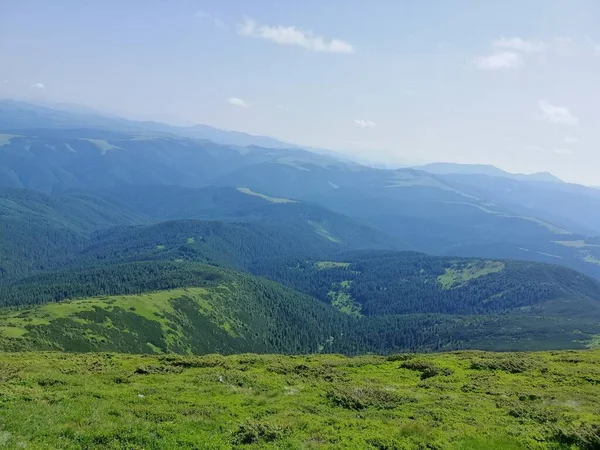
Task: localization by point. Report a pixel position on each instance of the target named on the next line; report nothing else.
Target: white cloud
(38, 86)
(218, 23)
(290, 35)
(499, 61)
(563, 41)
(562, 151)
(235, 101)
(509, 53)
(282, 108)
(595, 46)
(520, 45)
(556, 114)
(365, 123)
(571, 140)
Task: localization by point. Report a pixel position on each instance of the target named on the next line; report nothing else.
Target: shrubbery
(366, 397)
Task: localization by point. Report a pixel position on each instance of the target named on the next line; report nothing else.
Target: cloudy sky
(513, 83)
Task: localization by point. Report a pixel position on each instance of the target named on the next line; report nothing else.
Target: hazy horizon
(511, 84)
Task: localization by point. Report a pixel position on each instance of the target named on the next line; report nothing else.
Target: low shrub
(586, 436)
(426, 368)
(196, 362)
(400, 357)
(358, 398)
(152, 369)
(511, 364)
(254, 432)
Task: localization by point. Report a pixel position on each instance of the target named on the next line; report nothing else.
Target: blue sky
(510, 83)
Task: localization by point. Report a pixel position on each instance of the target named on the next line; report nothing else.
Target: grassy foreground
(462, 400)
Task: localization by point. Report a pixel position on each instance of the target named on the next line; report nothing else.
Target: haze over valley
(299, 225)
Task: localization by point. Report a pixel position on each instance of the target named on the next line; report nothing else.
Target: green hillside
(164, 307)
(40, 232)
(36, 228)
(456, 401)
(182, 307)
(489, 215)
(306, 221)
(382, 282)
(239, 245)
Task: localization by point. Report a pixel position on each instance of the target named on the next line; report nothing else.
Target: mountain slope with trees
(144, 306)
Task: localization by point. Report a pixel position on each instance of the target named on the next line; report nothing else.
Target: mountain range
(143, 237)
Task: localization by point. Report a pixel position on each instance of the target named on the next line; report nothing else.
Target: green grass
(458, 275)
(103, 146)
(248, 191)
(322, 231)
(145, 322)
(5, 139)
(145, 305)
(580, 243)
(483, 207)
(550, 227)
(592, 260)
(594, 342)
(324, 265)
(404, 179)
(339, 297)
(454, 401)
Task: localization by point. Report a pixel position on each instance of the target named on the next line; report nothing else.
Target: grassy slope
(467, 400)
(194, 309)
(244, 314)
(456, 276)
(187, 320)
(182, 307)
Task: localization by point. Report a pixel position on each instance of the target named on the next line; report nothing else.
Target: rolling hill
(485, 169)
(56, 160)
(490, 215)
(367, 283)
(163, 307)
(366, 302)
(117, 238)
(44, 232)
(17, 115)
(36, 228)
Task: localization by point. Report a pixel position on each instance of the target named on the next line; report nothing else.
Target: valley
(299, 225)
(160, 290)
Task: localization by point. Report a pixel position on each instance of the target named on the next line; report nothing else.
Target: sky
(514, 83)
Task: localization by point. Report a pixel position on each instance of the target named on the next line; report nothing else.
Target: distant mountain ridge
(443, 168)
(491, 215)
(17, 115)
(146, 255)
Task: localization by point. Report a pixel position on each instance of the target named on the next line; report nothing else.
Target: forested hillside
(46, 232)
(36, 228)
(375, 283)
(490, 216)
(189, 308)
(288, 225)
(122, 230)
